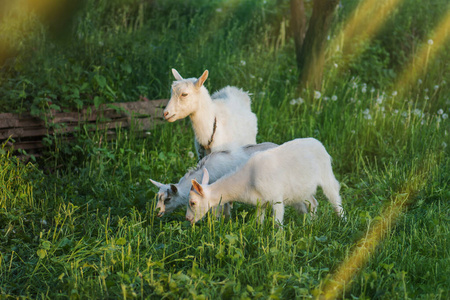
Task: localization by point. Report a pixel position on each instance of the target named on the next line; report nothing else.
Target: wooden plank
(28, 131)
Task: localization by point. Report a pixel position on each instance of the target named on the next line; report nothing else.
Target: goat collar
(208, 146)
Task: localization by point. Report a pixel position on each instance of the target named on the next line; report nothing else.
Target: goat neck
(203, 121)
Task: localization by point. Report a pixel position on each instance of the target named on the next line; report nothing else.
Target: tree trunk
(311, 58)
(298, 23)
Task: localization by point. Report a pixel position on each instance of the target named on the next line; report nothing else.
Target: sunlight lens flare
(364, 23)
(365, 248)
(427, 52)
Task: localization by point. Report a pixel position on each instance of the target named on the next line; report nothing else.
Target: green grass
(81, 223)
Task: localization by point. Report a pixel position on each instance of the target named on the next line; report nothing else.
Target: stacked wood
(23, 131)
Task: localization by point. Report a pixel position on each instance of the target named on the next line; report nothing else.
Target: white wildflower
(372, 90)
(334, 98)
(444, 116)
(43, 222)
(354, 85)
(426, 90)
(366, 111)
(219, 10)
(317, 95)
(419, 81)
(444, 144)
(364, 90)
(260, 79)
(394, 93)
(252, 76)
(436, 87)
(426, 97)
(404, 114)
(353, 131)
(379, 100)
(243, 63)
(326, 98)
(336, 65)
(417, 112)
(440, 111)
(430, 42)
(191, 154)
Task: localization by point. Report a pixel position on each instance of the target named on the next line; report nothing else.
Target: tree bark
(298, 24)
(311, 57)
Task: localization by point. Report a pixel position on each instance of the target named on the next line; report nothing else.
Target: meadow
(79, 222)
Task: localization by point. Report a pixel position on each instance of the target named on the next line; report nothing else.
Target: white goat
(288, 174)
(171, 196)
(221, 121)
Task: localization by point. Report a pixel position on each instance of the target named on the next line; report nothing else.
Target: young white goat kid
(286, 175)
(221, 121)
(171, 196)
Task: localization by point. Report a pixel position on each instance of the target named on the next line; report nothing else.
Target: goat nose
(166, 113)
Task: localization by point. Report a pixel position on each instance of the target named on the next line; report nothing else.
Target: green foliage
(81, 223)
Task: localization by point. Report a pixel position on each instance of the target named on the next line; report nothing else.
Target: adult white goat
(288, 174)
(221, 121)
(171, 196)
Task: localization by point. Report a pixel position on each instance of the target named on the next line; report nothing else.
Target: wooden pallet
(23, 131)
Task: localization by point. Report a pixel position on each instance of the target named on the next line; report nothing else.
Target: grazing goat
(171, 196)
(286, 175)
(221, 121)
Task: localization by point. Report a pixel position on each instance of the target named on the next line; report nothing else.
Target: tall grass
(81, 222)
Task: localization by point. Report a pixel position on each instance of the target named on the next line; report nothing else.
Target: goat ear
(205, 179)
(201, 79)
(176, 75)
(174, 188)
(197, 187)
(156, 183)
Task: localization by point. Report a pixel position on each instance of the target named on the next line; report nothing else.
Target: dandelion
(419, 81)
(252, 76)
(436, 87)
(326, 98)
(444, 145)
(336, 65)
(243, 63)
(394, 93)
(395, 111)
(334, 98)
(219, 10)
(262, 93)
(430, 42)
(296, 101)
(426, 97)
(417, 112)
(440, 111)
(260, 79)
(366, 111)
(444, 116)
(364, 90)
(379, 100)
(404, 114)
(148, 133)
(317, 95)
(426, 90)
(191, 154)
(354, 85)
(353, 131)
(372, 90)
(43, 222)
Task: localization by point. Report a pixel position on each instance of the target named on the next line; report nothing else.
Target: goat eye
(184, 94)
(192, 203)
